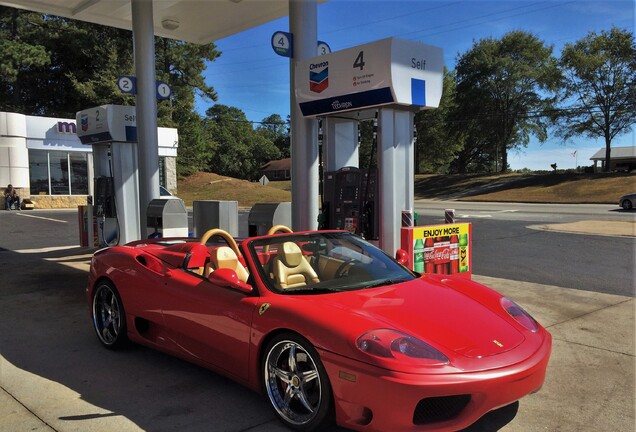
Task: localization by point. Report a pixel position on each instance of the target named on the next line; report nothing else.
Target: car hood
(431, 311)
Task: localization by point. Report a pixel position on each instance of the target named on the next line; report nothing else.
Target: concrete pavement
(54, 375)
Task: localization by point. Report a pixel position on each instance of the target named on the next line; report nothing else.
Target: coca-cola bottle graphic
(441, 259)
(454, 254)
(429, 254)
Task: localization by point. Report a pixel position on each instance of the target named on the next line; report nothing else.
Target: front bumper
(368, 398)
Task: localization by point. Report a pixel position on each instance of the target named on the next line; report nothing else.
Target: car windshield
(323, 262)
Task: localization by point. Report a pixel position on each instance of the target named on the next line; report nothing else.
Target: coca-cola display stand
(439, 249)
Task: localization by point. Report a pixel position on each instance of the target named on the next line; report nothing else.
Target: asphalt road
(507, 245)
(504, 244)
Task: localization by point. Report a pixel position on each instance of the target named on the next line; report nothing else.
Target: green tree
(439, 140)
(368, 150)
(274, 129)
(503, 87)
(181, 65)
(18, 55)
(600, 83)
(84, 61)
(56, 66)
(236, 149)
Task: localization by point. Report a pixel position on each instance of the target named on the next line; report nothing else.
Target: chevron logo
(319, 81)
(84, 122)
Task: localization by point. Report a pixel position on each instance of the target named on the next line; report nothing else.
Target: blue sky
(250, 76)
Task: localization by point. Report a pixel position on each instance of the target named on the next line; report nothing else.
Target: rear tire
(109, 318)
(627, 204)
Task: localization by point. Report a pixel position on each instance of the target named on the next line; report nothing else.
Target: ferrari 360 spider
(326, 325)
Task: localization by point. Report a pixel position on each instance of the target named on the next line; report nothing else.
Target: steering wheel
(277, 228)
(224, 235)
(343, 268)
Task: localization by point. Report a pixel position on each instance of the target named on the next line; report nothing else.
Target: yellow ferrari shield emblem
(263, 308)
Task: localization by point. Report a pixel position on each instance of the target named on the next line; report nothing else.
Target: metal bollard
(449, 216)
(407, 218)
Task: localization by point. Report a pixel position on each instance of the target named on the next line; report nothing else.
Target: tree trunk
(504, 159)
(608, 151)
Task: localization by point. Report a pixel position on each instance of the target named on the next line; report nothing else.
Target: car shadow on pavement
(48, 342)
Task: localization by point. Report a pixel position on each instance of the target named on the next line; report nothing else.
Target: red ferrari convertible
(328, 326)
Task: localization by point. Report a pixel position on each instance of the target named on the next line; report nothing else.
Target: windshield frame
(323, 249)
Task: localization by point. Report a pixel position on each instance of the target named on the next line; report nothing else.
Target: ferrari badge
(263, 308)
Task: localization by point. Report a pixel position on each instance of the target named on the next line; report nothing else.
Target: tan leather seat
(291, 269)
(225, 257)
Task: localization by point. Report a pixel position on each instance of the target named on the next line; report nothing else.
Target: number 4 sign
(282, 43)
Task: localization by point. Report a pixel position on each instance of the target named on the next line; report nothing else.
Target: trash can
(263, 216)
(208, 214)
(167, 218)
(87, 226)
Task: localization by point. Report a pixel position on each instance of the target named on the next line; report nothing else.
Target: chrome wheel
(296, 383)
(108, 316)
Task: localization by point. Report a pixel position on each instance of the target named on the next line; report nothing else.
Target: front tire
(109, 318)
(627, 204)
(297, 384)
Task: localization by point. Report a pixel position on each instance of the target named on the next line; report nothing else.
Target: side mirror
(225, 277)
(402, 257)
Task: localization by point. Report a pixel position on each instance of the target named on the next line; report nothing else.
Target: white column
(124, 160)
(395, 172)
(304, 135)
(147, 147)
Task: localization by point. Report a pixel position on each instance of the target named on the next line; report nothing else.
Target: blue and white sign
(323, 48)
(163, 90)
(389, 72)
(282, 43)
(127, 84)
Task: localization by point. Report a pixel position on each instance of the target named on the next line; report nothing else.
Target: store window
(39, 172)
(58, 169)
(78, 163)
(58, 173)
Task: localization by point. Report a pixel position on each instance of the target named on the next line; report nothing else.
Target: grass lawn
(535, 188)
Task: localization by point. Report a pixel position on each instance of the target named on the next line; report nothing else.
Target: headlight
(392, 344)
(519, 315)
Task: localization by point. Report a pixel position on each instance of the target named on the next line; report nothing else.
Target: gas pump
(111, 130)
(104, 201)
(104, 209)
(394, 77)
(350, 201)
